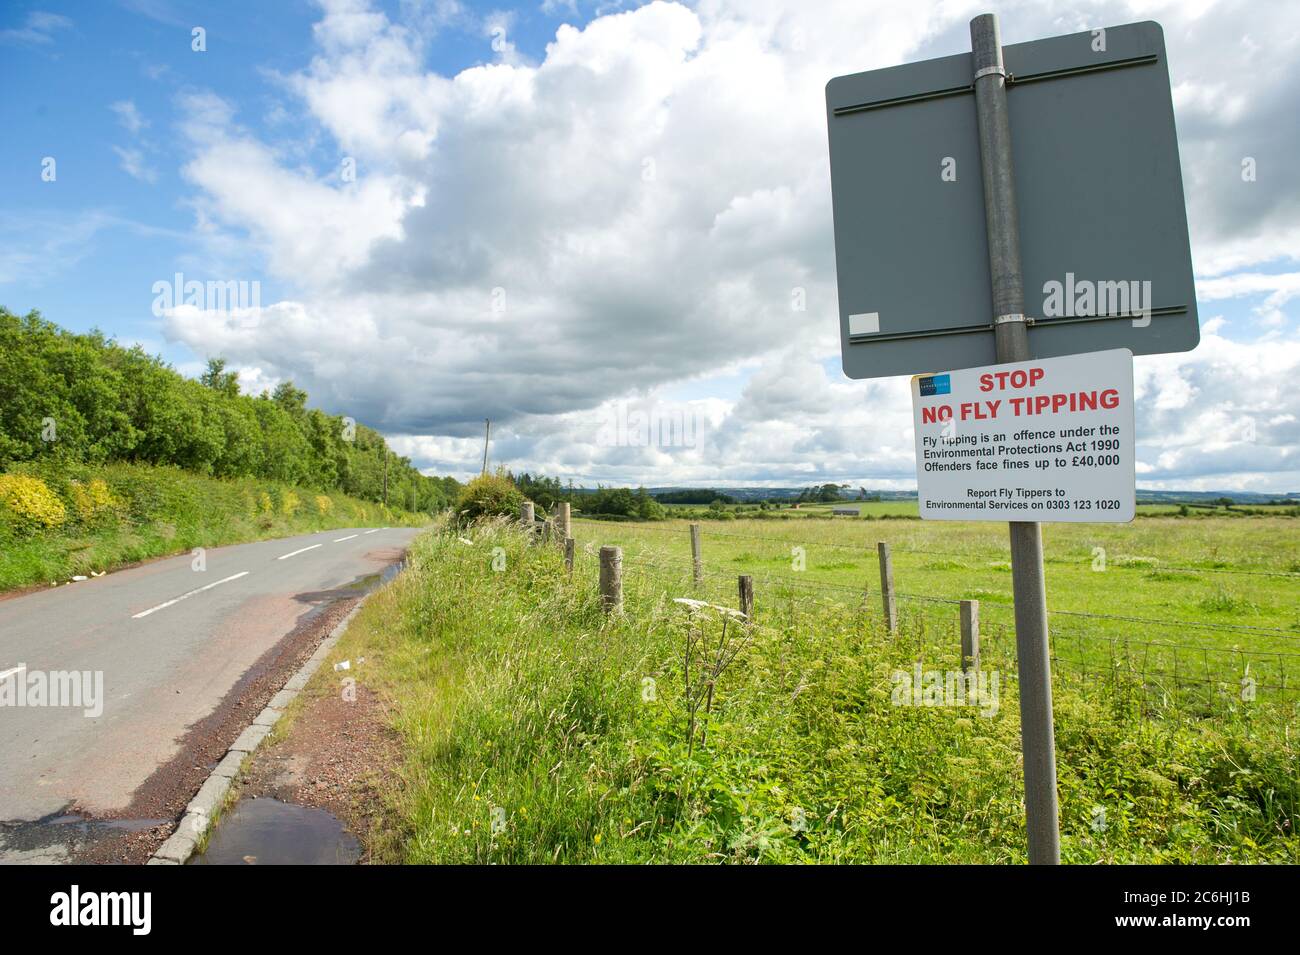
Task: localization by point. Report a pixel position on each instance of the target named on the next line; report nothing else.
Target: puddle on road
(353, 588)
(63, 835)
(85, 824)
(266, 831)
(369, 582)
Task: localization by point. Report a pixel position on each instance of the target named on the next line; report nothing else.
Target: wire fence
(957, 555)
(1153, 654)
(1164, 623)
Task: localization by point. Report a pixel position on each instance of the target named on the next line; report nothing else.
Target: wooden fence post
(611, 579)
(526, 515)
(747, 597)
(887, 586)
(568, 555)
(563, 515)
(697, 557)
(970, 635)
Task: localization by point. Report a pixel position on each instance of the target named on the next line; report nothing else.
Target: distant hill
(747, 494)
(692, 495)
(1207, 497)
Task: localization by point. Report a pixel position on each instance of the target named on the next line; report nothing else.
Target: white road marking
(340, 540)
(375, 531)
(224, 580)
(297, 552)
(6, 674)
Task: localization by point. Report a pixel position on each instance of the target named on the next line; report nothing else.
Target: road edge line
(204, 809)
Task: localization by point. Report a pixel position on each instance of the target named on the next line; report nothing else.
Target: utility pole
(487, 434)
(1011, 336)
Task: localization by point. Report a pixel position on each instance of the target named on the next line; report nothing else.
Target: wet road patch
(267, 831)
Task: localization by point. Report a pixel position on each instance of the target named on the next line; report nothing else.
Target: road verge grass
(536, 729)
(61, 519)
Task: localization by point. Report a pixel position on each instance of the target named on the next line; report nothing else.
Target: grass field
(1208, 600)
(534, 728)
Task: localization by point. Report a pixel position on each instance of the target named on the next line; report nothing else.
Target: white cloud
(38, 29)
(134, 164)
(36, 248)
(537, 241)
(496, 27)
(553, 7)
(1281, 288)
(313, 231)
(1223, 416)
(129, 116)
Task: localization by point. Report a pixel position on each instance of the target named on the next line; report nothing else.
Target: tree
(613, 501)
(87, 399)
(542, 491)
(693, 496)
(647, 508)
(290, 398)
(219, 380)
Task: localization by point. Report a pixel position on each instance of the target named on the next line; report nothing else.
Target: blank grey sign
(1099, 190)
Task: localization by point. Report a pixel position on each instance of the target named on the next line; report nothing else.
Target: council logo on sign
(936, 385)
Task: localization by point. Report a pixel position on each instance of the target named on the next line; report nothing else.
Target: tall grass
(155, 511)
(533, 728)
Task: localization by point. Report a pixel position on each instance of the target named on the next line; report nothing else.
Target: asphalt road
(170, 642)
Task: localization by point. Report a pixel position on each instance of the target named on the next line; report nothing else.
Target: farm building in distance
(844, 512)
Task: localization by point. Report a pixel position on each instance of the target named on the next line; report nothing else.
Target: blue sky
(566, 213)
(108, 234)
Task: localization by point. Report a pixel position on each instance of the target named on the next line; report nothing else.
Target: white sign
(1047, 440)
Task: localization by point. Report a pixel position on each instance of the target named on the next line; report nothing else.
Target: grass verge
(535, 729)
(81, 520)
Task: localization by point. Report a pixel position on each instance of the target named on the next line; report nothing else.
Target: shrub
(648, 509)
(31, 502)
(94, 503)
(489, 495)
(59, 518)
(155, 493)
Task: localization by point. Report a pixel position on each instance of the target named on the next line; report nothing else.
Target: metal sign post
(923, 247)
(1037, 733)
